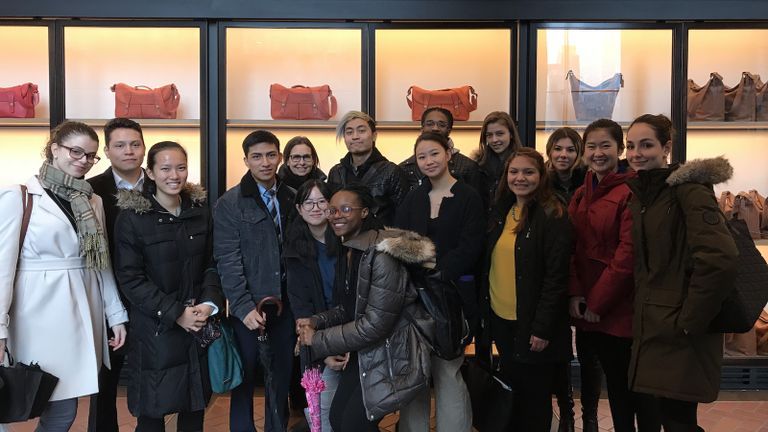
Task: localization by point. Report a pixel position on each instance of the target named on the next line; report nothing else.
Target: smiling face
(169, 172)
(432, 158)
(523, 177)
(346, 216)
(316, 215)
(498, 137)
(359, 137)
(63, 161)
(563, 155)
(125, 150)
(601, 152)
(644, 150)
(262, 161)
(300, 161)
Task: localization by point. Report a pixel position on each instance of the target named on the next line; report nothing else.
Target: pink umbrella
(312, 381)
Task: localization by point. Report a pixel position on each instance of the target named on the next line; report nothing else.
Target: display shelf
(718, 125)
(25, 122)
(573, 125)
(331, 124)
(147, 123)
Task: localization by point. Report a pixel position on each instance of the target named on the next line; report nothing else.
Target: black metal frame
(677, 105)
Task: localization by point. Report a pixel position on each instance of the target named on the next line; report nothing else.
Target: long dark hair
(297, 234)
(544, 194)
(504, 119)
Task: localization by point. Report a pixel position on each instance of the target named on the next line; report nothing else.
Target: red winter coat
(603, 261)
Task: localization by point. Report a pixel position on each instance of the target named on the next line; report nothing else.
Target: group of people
(632, 252)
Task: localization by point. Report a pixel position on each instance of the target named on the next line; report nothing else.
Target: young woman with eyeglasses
(301, 163)
(373, 319)
(310, 251)
(451, 214)
(57, 288)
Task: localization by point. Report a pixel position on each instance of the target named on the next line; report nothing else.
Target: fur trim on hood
(704, 171)
(136, 201)
(407, 246)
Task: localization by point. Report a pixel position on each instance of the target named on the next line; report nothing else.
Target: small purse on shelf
(594, 102)
(460, 101)
(142, 102)
(707, 102)
(301, 102)
(19, 101)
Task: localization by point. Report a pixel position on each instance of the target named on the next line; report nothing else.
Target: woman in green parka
(685, 262)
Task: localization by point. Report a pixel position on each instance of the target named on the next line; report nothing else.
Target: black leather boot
(565, 403)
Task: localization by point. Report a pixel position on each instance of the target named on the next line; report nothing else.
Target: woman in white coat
(57, 288)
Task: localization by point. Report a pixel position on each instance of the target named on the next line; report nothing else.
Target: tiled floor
(735, 412)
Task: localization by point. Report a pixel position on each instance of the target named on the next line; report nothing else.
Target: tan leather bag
(761, 333)
(740, 344)
(301, 102)
(142, 102)
(740, 100)
(460, 101)
(745, 208)
(761, 100)
(726, 203)
(707, 102)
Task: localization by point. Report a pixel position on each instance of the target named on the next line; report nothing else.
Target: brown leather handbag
(707, 102)
(142, 102)
(761, 100)
(746, 209)
(19, 101)
(740, 99)
(301, 102)
(460, 101)
(761, 333)
(726, 203)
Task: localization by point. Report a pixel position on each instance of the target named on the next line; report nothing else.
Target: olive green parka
(685, 265)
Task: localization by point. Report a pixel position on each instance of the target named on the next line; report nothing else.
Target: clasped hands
(575, 312)
(194, 317)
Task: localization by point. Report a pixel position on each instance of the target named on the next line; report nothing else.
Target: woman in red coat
(602, 286)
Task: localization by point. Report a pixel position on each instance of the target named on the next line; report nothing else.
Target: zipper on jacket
(389, 358)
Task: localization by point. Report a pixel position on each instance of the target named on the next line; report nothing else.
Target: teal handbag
(224, 364)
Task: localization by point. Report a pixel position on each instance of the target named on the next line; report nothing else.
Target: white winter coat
(52, 308)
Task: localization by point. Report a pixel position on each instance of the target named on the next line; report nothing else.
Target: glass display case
(98, 56)
(583, 74)
(25, 60)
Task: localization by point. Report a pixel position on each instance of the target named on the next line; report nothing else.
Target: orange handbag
(460, 101)
(301, 102)
(19, 101)
(142, 102)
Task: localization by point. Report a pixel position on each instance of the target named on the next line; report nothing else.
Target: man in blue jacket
(249, 222)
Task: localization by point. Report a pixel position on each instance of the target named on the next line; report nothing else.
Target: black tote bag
(25, 391)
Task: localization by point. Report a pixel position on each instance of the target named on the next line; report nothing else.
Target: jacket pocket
(661, 312)
(252, 216)
(388, 352)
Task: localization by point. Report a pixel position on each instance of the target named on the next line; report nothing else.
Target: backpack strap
(26, 203)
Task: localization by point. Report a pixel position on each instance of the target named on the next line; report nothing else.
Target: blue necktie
(272, 207)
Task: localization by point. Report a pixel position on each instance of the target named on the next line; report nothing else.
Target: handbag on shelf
(142, 102)
(740, 99)
(740, 344)
(747, 209)
(225, 367)
(707, 102)
(594, 102)
(726, 203)
(460, 101)
(19, 101)
(761, 333)
(25, 391)
(301, 102)
(761, 100)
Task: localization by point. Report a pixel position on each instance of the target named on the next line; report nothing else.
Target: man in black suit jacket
(124, 147)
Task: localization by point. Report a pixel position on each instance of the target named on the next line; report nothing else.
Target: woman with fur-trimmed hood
(374, 320)
(164, 266)
(685, 262)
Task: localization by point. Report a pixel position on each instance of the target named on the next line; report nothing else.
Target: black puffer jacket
(394, 359)
(162, 261)
(386, 181)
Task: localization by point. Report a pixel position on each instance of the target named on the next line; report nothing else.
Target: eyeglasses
(78, 153)
(432, 123)
(308, 205)
(296, 158)
(345, 210)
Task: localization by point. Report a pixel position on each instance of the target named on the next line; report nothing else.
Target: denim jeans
(331, 379)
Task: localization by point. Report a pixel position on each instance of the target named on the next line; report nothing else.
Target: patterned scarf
(78, 192)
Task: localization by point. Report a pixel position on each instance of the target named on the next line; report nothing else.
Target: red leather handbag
(301, 103)
(19, 101)
(460, 101)
(142, 102)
